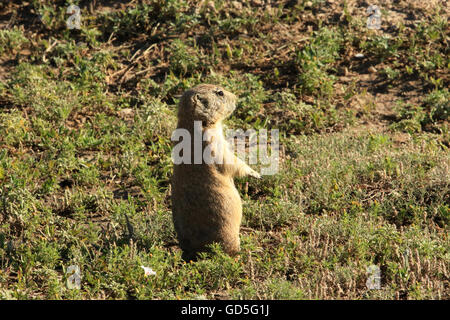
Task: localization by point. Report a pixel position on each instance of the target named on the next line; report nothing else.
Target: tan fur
(206, 206)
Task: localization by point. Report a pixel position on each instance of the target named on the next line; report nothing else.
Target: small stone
(148, 271)
(359, 56)
(237, 5)
(127, 112)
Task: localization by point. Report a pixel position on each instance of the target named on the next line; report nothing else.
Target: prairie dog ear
(199, 101)
(195, 99)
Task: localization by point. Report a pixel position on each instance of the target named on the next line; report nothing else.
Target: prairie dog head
(207, 103)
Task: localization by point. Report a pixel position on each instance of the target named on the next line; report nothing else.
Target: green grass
(85, 123)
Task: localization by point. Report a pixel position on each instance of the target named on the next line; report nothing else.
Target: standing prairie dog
(206, 206)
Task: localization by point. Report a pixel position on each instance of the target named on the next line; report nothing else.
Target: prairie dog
(206, 206)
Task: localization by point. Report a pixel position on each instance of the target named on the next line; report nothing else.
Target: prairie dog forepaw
(254, 174)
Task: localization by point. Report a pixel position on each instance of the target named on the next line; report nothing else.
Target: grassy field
(86, 117)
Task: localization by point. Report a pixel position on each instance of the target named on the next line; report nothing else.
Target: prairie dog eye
(219, 93)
